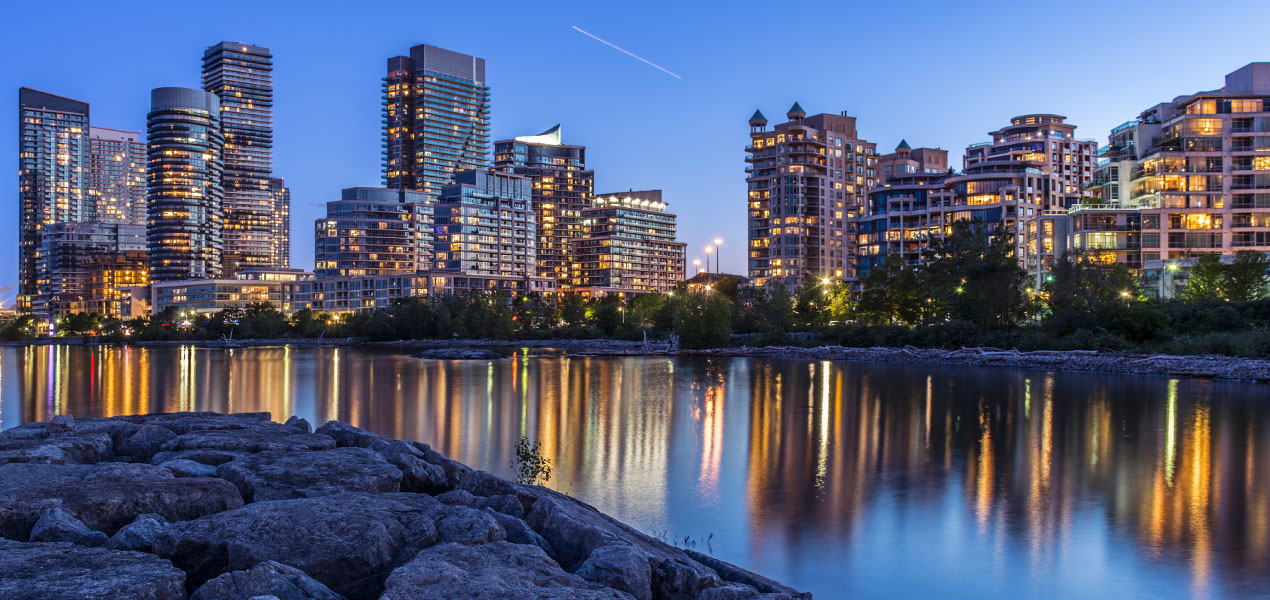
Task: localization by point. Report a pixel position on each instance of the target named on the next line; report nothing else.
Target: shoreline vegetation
(968, 302)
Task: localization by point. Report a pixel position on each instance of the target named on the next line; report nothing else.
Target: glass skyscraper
(183, 175)
(241, 77)
(52, 160)
(436, 118)
(116, 176)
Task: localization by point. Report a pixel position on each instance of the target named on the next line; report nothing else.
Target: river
(846, 480)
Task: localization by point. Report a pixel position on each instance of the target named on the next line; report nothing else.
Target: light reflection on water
(848, 480)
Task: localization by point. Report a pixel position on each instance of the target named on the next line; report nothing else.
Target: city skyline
(616, 112)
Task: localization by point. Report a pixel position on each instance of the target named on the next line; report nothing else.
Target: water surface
(847, 480)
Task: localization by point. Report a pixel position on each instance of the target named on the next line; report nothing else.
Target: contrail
(627, 52)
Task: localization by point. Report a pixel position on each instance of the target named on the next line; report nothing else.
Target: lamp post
(709, 251)
(717, 268)
(696, 262)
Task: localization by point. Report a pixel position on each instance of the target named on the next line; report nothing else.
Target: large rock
(284, 439)
(142, 444)
(105, 496)
(57, 525)
(494, 571)
(204, 456)
(349, 541)
(139, 534)
(82, 448)
(740, 578)
(418, 473)
(61, 571)
(184, 467)
(269, 578)
(283, 475)
(619, 567)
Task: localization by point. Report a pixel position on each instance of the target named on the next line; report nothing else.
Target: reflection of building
(183, 171)
(280, 287)
(52, 158)
(116, 176)
(627, 246)
(1187, 177)
(806, 178)
(436, 118)
(562, 189)
(85, 268)
(241, 77)
(373, 231)
(909, 207)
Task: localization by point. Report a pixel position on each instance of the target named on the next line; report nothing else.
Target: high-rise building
(374, 231)
(116, 176)
(485, 226)
(906, 209)
(52, 158)
(436, 118)
(562, 189)
(241, 77)
(184, 220)
(86, 268)
(280, 236)
(807, 177)
(627, 246)
(1187, 177)
(1025, 180)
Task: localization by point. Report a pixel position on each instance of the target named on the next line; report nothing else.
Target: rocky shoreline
(217, 507)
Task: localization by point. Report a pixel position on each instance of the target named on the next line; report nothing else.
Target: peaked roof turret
(903, 145)
(796, 111)
(758, 118)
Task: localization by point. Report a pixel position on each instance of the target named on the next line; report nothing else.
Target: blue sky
(936, 73)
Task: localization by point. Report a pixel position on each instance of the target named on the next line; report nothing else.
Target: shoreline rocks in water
(459, 354)
(207, 506)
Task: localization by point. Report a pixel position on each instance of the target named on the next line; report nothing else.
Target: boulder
(346, 435)
(283, 475)
(286, 439)
(56, 525)
(61, 571)
(299, 423)
(736, 575)
(499, 570)
(184, 467)
(348, 541)
(206, 456)
(417, 474)
(268, 579)
(142, 444)
(62, 424)
(739, 591)
(464, 525)
(105, 496)
(84, 448)
(620, 567)
(139, 534)
(518, 532)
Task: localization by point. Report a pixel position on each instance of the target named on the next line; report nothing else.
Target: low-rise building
(374, 231)
(285, 289)
(84, 268)
(628, 246)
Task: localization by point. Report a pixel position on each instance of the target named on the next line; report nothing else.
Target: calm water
(851, 481)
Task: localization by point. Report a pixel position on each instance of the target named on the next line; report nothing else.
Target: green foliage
(532, 468)
(703, 320)
(973, 275)
(1244, 279)
(1082, 292)
(892, 295)
(1205, 282)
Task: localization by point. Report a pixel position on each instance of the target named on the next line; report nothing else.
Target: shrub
(531, 466)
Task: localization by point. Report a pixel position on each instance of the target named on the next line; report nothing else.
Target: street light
(709, 251)
(696, 262)
(717, 242)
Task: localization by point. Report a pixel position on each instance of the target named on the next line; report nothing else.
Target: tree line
(967, 291)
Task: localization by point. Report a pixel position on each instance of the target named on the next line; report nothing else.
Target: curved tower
(184, 216)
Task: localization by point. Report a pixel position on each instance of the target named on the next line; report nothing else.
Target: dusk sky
(936, 73)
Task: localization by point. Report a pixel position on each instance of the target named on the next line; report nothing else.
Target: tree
(703, 320)
(892, 294)
(973, 275)
(1205, 281)
(1082, 290)
(1244, 279)
(573, 310)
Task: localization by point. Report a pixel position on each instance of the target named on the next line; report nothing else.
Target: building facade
(908, 208)
(627, 246)
(1186, 177)
(241, 77)
(1025, 180)
(436, 118)
(184, 220)
(52, 160)
(485, 226)
(116, 176)
(806, 180)
(87, 268)
(285, 289)
(280, 236)
(374, 231)
(562, 188)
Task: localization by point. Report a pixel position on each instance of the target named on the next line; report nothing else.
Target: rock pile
(459, 354)
(217, 507)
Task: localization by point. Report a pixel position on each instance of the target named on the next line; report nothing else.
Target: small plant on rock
(532, 468)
